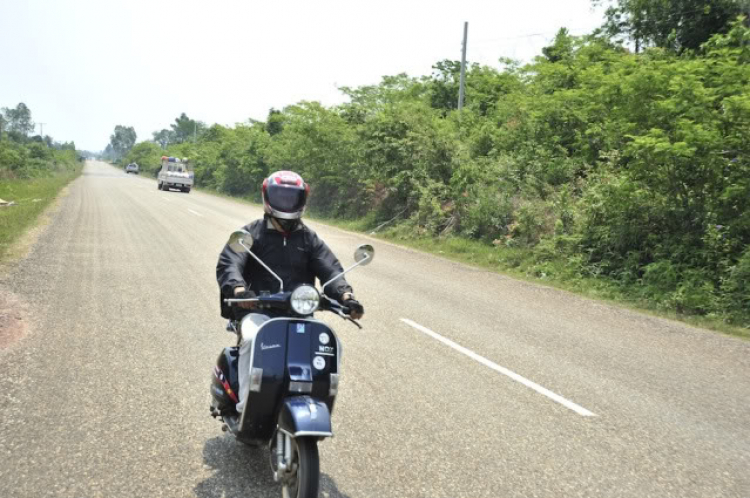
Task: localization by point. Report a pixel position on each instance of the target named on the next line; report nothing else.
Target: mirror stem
(344, 273)
(281, 282)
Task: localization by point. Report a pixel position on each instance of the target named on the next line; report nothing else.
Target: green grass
(32, 197)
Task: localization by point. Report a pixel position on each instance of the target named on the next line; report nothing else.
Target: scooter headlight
(305, 300)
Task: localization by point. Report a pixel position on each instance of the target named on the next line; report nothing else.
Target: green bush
(735, 296)
(29, 159)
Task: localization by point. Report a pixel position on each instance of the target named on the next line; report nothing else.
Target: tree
(674, 24)
(164, 137)
(561, 48)
(147, 155)
(109, 152)
(371, 99)
(122, 140)
(274, 122)
(444, 85)
(185, 129)
(19, 119)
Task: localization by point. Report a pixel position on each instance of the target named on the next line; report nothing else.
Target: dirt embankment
(13, 325)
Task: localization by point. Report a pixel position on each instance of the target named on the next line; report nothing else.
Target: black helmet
(285, 195)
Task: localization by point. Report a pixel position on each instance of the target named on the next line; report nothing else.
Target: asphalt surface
(107, 394)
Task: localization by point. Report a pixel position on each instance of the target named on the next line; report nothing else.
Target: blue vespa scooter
(294, 378)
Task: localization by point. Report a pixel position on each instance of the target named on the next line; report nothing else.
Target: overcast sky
(84, 66)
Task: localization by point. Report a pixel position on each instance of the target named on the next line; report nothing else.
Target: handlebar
(281, 301)
(338, 308)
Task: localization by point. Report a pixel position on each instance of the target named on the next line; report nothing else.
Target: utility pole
(41, 130)
(462, 84)
(746, 12)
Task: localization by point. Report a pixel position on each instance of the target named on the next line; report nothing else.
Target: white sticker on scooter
(319, 362)
(300, 328)
(324, 339)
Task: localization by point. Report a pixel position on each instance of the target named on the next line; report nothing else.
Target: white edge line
(195, 213)
(494, 366)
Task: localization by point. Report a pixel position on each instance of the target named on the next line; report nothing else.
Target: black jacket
(297, 258)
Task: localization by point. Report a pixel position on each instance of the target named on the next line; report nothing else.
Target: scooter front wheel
(302, 482)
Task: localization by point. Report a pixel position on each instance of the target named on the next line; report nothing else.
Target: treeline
(594, 161)
(25, 156)
(124, 138)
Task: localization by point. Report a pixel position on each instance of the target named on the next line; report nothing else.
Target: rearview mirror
(240, 240)
(364, 254)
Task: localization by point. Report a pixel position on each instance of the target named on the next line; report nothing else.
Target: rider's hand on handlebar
(241, 293)
(356, 310)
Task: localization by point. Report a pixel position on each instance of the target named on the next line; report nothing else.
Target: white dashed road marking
(494, 366)
(195, 213)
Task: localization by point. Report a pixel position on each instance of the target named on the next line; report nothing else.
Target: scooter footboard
(305, 416)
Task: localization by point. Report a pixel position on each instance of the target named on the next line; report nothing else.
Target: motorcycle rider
(288, 247)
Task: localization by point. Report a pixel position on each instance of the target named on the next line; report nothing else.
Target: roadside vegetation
(33, 170)
(615, 164)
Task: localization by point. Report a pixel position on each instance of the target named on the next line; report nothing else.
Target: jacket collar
(270, 226)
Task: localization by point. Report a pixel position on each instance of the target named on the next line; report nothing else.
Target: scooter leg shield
(305, 416)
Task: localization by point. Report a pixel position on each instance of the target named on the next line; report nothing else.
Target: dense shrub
(30, 159)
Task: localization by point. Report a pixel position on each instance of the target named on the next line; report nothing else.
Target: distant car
(131, 168)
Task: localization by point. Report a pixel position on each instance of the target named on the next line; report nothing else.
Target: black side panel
(222, 401)
(231, 358)
(225, 375)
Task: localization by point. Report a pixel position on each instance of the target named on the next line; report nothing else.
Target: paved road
(464, 383)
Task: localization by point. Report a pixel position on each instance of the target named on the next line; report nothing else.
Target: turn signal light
(256, 377)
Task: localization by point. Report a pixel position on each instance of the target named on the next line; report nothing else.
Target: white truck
(175, 173)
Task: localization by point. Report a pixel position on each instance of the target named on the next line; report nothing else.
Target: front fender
(305, 416)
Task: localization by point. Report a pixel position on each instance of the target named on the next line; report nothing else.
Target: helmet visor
(286, 199)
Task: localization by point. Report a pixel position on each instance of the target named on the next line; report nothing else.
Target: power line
(587, 29)
(529, 35)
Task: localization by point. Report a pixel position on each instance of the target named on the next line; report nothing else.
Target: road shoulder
(14, 322)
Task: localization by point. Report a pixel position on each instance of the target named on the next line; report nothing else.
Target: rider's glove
(245, 294)
(356, 310)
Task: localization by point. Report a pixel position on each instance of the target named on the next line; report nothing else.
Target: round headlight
(305, 300)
